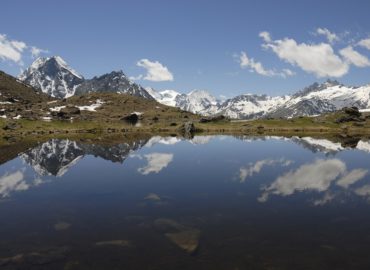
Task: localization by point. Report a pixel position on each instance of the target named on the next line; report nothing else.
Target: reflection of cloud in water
(316, 176)
(156, 162)
(363, 191)
(351, 178)
(173, 140)
(254, 168)
(12, 182)
(201, 139)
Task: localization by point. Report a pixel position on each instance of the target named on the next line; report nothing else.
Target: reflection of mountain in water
(56, 156)
(316, 145)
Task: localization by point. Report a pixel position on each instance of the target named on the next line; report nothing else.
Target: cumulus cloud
(13, 50)
(255, 66)
(364, 43)
(156, 162)
(354, 57)
(316, 176)
(331, 37)
(156, 72)
(318, 59)
(265, 36)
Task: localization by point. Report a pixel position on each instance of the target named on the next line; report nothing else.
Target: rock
(70, 110)
(184, 237)
(212, 119)
(121, 243)
(352, 111)
(187, 129)
(67, 112)
(186, 240)
(132, 118)
(61, 226)
(11, 126)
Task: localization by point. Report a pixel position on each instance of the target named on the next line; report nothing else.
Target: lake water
(206, 203)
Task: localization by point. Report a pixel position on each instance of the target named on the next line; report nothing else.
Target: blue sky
(186, 45)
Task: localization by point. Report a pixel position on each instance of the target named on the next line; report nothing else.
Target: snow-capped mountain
(53, 76)
(312, 100)
(251, 106)
(321, 98)
(197, 101)
(116, 82)
(166, 97)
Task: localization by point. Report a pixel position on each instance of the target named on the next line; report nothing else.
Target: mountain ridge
(54, 76)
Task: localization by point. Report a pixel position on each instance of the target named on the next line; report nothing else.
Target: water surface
(205, 203)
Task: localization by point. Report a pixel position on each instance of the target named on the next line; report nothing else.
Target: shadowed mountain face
(116, 82)
(53, 76)
(56, 156)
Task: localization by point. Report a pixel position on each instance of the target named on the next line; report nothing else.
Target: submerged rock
(186, 240)
(184, 237)
(121, 243)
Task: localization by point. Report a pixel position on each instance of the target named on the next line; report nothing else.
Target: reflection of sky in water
(272, 166)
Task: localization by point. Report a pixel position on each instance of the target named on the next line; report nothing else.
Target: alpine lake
(207, 202)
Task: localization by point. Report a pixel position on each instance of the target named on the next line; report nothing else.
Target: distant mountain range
(53, 76)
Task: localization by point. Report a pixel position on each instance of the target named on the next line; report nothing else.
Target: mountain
(312, 100)
(322, 98)
(197, 101)
(116, 82)
(13, 91)
(251, 106)
(53, 76)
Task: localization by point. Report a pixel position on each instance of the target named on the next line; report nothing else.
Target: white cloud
(156, 162)
(265, 36)
(319, 59)
(354, 57)
(254, 66)
(156, 72)
(13, 50)
(35, 52)
(254, 168)
(331, 37)
(365, 43)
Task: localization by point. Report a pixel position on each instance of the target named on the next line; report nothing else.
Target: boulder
(67, 112)
(352, 111)
(132, 118)
(187, 128)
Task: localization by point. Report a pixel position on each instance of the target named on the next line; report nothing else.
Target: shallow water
(169, 203)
